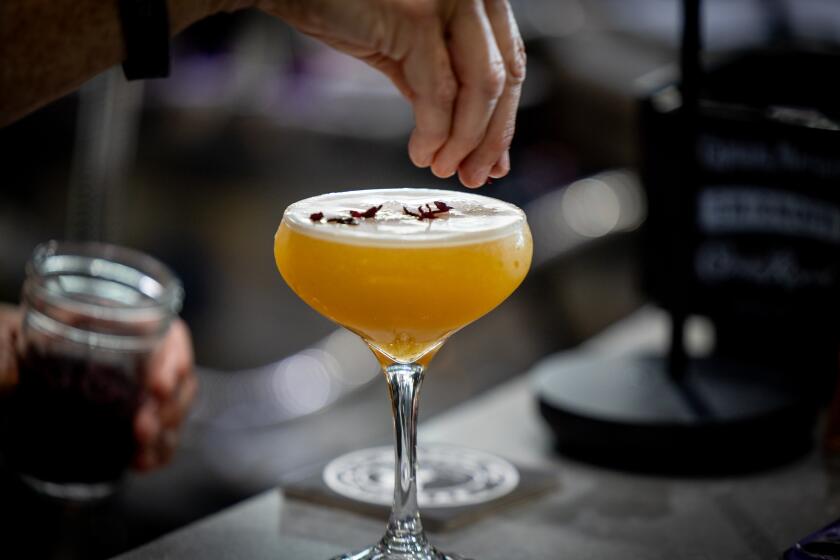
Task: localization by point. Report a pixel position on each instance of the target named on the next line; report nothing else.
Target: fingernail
(482, 176)
(502, 167)
(442, 173)
(420, 159)
(467, 180)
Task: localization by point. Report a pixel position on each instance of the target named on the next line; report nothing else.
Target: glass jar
(93, 315)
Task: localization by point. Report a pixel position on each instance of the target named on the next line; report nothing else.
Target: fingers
(428, 75)
(479, 68)
(171, 386)
(147, 430)
(491, 157)
(171, 362)
(156, 427)
(158, 452)
(173, 410)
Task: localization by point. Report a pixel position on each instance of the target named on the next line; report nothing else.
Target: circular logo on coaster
(446, 476)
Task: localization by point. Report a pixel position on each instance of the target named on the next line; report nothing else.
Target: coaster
(456, 486)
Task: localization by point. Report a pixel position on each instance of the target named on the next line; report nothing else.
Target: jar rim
(141, 272)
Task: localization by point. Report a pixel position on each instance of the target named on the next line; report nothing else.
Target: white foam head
(472, 218)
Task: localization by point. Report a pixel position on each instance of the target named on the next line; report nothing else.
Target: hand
(460, 63)
(170, 388)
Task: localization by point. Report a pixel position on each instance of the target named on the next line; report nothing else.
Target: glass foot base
(376, 553)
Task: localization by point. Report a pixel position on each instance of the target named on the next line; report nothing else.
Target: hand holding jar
(97, 365)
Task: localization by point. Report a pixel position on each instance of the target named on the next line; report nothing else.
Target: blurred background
(197, 169)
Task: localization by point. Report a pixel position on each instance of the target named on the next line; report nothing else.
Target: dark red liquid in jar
(71, 419)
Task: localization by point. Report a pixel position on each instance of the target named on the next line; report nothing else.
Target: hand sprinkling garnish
(348, 221)
(428, 213)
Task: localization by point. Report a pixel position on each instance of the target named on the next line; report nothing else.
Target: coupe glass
(404, 269)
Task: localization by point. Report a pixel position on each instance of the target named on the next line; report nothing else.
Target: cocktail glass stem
(404, 539)
(405, 534)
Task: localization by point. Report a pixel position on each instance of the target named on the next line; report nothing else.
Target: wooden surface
(595, 513)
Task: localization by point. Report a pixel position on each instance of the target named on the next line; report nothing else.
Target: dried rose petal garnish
(369, 213)
(429, 213)
(348, 221)
(345, 221)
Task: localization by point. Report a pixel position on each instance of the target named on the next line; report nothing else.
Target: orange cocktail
(402, 283)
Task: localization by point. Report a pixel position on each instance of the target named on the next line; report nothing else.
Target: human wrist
(183, 13)
(287, 10)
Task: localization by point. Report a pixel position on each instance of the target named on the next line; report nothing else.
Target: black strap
(145, 26)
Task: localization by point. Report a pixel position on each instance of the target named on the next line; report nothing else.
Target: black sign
(750, 236)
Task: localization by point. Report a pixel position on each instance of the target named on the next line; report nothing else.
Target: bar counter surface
(594, 512)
